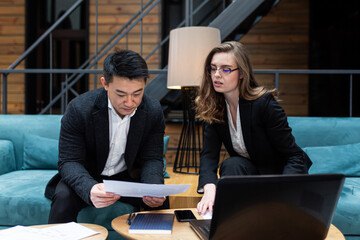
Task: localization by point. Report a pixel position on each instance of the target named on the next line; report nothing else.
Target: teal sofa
(333, 144)
(28, 160)
(27, 142)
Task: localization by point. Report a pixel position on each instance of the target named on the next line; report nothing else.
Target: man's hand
(154, 201)
(100, 198)
(207, 201)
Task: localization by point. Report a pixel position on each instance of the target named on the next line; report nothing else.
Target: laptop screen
(275, 206)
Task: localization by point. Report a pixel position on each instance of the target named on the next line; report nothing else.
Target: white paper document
(69, 231)
(21, 232)
(66, 231)
(207, 215)
(131, 189)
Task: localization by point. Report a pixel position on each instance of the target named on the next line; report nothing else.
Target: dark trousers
(235, 166)
(66, 204)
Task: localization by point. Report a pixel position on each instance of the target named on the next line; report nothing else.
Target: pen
(130, 218)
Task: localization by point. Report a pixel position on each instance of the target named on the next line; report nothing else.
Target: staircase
(233, 19)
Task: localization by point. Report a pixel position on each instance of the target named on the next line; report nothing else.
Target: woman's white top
(236, 134)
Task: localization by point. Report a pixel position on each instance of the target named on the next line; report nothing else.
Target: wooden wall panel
(11, 2)
(113, 2)
(10, 19)
(280, 41)
(12, 42)
(113, 28)
(10, 10)
(112, 14)
(11, 29)
(124, 9)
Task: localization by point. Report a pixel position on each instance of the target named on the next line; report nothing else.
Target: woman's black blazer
(267, 137)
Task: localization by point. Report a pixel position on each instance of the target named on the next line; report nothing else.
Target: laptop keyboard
(206, 228)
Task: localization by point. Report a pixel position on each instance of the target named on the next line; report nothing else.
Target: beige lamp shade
(188, 49)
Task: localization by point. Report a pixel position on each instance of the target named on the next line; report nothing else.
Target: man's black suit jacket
(84, 143)
(267, 136)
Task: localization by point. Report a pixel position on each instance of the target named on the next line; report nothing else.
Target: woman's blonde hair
(210, 105)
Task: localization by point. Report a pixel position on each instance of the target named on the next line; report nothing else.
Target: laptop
(272, 207)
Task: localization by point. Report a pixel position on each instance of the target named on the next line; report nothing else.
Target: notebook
(272, 207)
(152, 223)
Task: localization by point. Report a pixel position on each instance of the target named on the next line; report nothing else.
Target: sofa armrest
(7, 157)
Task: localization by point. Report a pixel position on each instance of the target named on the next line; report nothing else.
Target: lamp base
(187, 158)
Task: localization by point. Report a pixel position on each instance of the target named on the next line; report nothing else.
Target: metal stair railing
(106, 50)
(45, 34)
(112, 38)
(275, 72)
(68, 85)
(228, 20)
(32, 47)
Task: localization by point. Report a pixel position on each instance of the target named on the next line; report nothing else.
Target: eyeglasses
(222, 70)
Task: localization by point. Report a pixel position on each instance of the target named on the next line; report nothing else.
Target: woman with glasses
(247, 119)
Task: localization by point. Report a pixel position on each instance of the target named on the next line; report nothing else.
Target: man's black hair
(125, 63)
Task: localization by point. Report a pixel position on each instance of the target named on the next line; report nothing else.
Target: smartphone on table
(184, 215)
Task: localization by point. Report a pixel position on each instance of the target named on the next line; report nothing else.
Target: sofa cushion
(7, 157)
(22, 199)
(347, 217)
(343, 159)
(325, 131)
(40, 152)
(13, 128)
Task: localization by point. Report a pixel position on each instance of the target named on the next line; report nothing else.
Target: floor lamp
(188, 49)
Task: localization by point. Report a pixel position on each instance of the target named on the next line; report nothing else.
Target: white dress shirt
(237, 138)
(118, 132)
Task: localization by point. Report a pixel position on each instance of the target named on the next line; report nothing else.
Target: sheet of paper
(21, 233)
(69, 231)
(207, 215)
(66, 231)
(131, 189)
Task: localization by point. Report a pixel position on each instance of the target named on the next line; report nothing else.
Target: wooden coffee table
(103, 232)
(182, 230)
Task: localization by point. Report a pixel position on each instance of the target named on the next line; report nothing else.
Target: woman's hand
(207, 201)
